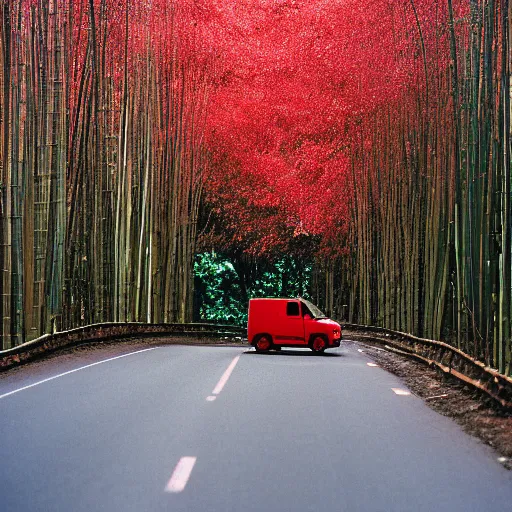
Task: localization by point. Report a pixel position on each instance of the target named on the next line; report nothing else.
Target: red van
(276, 323)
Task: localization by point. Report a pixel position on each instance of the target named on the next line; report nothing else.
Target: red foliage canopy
(290, 83)
(296, 80)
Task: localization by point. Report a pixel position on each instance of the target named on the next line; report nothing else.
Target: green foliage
(219, 288)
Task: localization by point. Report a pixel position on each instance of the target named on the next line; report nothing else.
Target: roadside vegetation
(223, 290)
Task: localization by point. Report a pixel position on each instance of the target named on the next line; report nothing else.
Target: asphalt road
(182, 428)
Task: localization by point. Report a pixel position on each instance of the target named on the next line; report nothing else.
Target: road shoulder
(477, 414)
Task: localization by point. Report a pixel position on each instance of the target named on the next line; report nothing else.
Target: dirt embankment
(478, 415)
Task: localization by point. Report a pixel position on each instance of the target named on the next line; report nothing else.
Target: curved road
(184, 428)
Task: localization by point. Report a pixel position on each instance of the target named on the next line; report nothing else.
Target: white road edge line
(73, 371)
(402, 392)
(181, 474)
(372, 364)
(225, 376)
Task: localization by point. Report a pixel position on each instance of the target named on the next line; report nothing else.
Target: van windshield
(314, 310)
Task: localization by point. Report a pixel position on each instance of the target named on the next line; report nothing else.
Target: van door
(310, 326)
(291, 330)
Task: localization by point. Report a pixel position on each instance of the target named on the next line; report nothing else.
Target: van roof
(276, 298)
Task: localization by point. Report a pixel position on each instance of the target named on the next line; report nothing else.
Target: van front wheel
(263, 343)
(318, 344)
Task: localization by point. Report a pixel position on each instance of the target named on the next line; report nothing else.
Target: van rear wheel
(318, 344)
(263, 343)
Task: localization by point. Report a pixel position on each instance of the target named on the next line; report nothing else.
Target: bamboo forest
(165, 160)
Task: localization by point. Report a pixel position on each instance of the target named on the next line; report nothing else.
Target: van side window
(292, 309)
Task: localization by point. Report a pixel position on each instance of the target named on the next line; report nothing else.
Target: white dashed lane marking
(180, 475)
(225, 376)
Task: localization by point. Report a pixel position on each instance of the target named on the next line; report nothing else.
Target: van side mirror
(307, 317)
